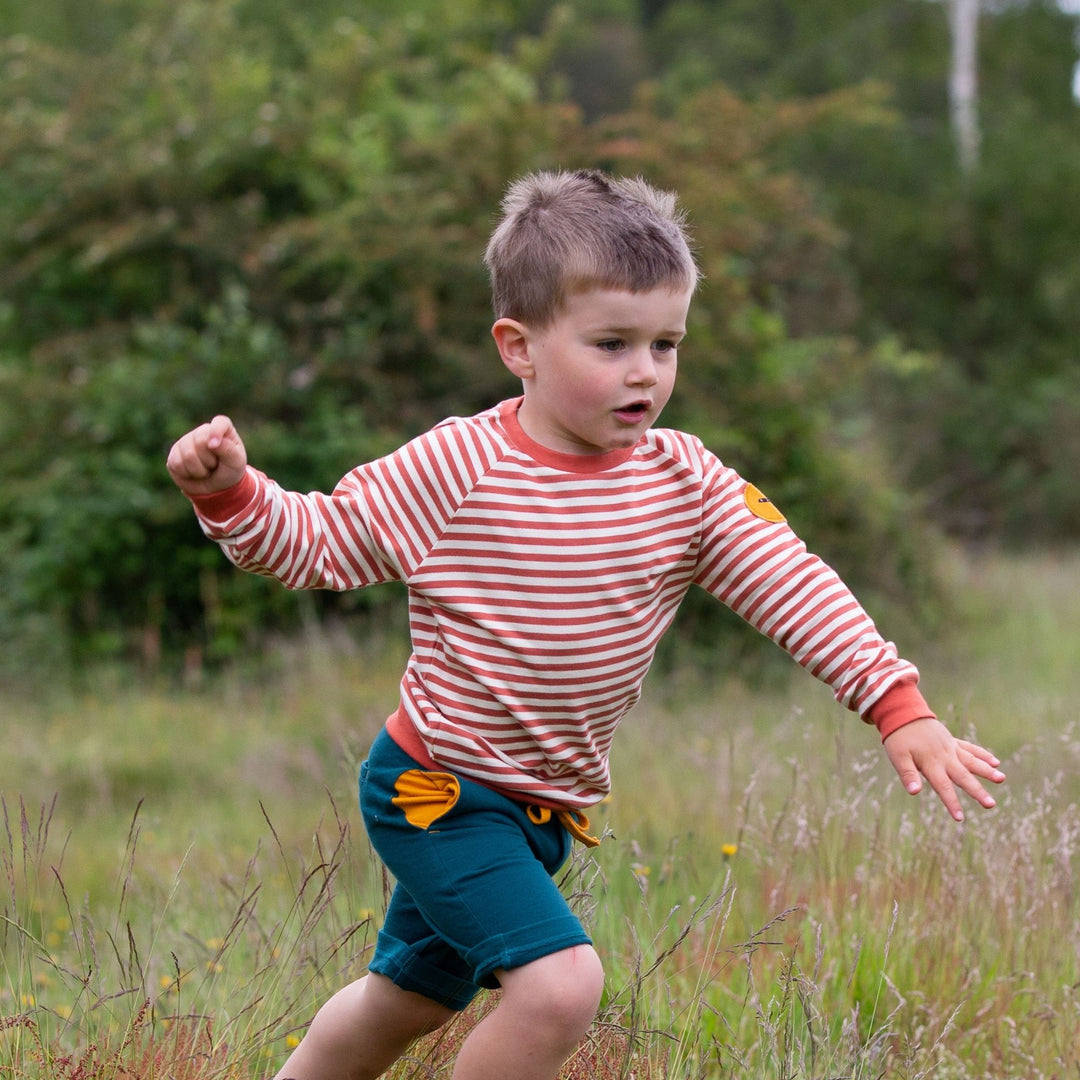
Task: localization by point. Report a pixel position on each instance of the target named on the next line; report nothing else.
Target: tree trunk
(963, 81)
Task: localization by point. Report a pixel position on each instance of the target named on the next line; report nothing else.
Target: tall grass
(184, 878)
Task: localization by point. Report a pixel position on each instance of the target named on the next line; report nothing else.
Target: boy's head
(565, 232)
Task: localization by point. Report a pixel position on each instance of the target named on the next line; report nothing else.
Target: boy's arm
(754, 563)
(304, 541)
(926, 748)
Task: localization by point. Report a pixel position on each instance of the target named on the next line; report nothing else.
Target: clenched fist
(209, 458)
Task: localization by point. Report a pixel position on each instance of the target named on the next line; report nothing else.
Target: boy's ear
(512, 339)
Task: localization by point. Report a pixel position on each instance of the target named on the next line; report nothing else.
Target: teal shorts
(474, 888)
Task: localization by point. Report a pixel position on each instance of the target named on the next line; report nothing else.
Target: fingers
(194, 455)
(909, 775)
(946, 781)
(980, 760)
(937, 776)
(218, 431)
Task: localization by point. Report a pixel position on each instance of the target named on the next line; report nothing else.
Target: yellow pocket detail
(424, 797)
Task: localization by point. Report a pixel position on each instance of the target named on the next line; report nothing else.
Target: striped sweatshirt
(540, 583)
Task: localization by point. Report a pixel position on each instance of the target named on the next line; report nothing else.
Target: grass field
(183, 876)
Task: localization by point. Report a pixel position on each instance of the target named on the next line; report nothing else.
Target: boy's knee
(562, 990)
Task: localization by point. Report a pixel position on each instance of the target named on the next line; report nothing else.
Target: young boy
(546, 544)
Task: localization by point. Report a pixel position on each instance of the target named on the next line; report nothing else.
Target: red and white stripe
(540, 584)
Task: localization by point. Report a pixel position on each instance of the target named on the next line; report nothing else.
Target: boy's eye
(665, 346)
(612, 345)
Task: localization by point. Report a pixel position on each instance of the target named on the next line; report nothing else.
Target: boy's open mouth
(634, 411)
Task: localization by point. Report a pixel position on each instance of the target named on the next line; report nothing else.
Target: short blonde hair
(562, 232)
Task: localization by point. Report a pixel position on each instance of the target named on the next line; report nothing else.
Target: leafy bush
(284, 220)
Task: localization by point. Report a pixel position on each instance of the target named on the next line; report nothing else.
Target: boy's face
(598, 376)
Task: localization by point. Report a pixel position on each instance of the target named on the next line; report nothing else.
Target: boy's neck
(556, 459)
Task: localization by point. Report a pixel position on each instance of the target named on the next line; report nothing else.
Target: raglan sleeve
(338, 541)
(752, 561)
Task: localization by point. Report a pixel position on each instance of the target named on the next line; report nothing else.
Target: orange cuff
(222, 505)
(900, 705)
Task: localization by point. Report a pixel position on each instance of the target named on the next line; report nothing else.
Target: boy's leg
(362, 1030)
(544, 1011)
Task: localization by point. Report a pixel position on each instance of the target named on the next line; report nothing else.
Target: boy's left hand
(927, 748)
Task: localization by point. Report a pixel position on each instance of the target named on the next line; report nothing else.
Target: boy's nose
(642, 371)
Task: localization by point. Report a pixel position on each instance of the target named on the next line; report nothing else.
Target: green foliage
(979, 271)
(188, 229)
(220, 206)
(778, 50)
(283, 219)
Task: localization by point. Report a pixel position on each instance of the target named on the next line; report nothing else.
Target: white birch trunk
(963, 81)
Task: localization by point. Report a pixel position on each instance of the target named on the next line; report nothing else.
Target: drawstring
(573, 821)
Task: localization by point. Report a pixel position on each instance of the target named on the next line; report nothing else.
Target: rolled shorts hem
(396, 961)
(399, 963)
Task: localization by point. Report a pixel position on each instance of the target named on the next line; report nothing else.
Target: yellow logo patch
(760, 505)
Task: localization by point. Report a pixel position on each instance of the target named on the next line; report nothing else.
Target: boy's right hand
(207, 459)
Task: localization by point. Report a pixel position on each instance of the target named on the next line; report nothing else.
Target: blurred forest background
(278, 210)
